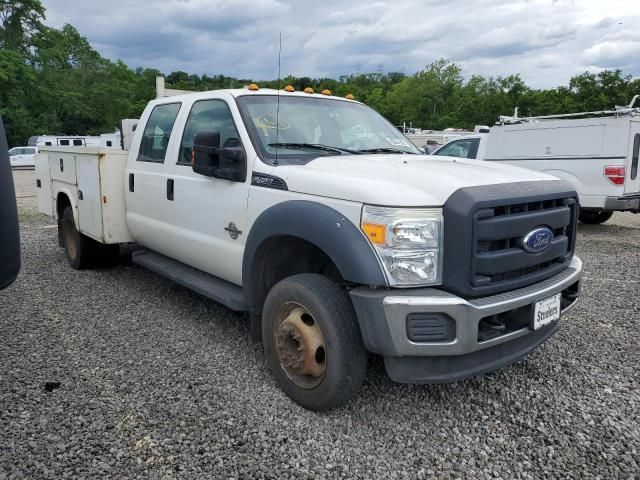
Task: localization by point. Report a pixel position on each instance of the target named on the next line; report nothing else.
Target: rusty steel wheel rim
(70, 239)
(300, 345)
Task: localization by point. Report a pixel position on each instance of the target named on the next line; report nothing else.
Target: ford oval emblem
(537, 240)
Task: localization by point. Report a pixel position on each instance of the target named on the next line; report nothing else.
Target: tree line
(52, 81)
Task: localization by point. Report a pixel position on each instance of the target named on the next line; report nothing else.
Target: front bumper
(383, 318)
(622, 203)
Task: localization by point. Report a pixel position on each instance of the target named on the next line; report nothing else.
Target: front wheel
(312, 341)
(594, 217)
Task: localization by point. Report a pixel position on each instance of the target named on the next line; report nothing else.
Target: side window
(77, 142)
(459, 148)
(157, 131)
(64, 143)
(208, 116)
(30, 151)
(47, 144)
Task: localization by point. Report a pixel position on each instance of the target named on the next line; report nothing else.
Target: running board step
(221, 291)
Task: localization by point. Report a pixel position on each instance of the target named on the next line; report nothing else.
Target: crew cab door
(632, 182)
(146, 177)
(208, 215)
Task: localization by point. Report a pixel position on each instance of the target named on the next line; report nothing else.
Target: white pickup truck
(597, 155)
(333, 231)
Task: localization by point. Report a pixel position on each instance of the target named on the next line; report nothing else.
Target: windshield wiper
(313, 146)
(385, 150)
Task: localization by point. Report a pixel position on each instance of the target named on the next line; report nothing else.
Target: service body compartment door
(632, 180)
(43, 185)
(63, 167)
(89, 197)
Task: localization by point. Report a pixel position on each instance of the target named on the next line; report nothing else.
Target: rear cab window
(157, 132)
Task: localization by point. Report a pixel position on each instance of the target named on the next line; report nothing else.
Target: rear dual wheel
(82, 251)
(312, 341)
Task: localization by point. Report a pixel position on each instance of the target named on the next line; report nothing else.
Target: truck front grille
(484, 232)
(498, 256)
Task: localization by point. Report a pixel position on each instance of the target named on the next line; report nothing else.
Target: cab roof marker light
(289, 88)
(253, 87)
(349, 96)
(326, 91)
(308, 90)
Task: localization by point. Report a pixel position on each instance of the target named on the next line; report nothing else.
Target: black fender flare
(322, 226)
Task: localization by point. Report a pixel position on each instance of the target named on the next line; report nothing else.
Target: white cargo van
(597, 154)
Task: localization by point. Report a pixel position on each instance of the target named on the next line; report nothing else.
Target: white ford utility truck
(320, 219)
(597, 153)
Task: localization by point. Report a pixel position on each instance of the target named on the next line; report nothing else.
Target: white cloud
(547, 41)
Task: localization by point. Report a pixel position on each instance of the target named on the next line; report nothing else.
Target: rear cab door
(632, 182)
(146, 174)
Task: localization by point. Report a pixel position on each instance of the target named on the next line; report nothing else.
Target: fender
(321, 226)
(73, 200)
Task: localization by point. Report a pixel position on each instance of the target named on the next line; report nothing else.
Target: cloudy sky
(546, 41)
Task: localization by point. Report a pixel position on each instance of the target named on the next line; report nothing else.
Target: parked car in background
(23, 157)
(596, 152)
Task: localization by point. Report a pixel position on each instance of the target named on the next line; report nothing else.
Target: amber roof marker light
(349, 96)
(308, 90)
(253, 87)
(289, 88)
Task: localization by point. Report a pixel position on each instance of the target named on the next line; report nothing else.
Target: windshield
(314, 126)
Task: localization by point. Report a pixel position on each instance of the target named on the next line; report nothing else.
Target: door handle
(170, 189)
(131, 183)
(61, 165)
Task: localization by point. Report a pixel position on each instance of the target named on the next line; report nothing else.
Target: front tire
(594, 217)
(312, 341)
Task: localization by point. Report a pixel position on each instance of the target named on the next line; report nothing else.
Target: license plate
(546, 311)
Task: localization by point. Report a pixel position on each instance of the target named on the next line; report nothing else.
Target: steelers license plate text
(546, 311)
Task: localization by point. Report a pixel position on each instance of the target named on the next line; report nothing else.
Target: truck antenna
(275, 163)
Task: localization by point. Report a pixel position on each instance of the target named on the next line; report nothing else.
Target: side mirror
(206, 153)
(227, 163)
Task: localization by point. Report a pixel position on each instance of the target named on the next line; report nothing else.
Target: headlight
(408, 242)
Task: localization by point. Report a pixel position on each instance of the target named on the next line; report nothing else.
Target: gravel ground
(149, 380)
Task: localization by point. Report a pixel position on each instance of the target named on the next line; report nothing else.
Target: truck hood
(397, 180)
